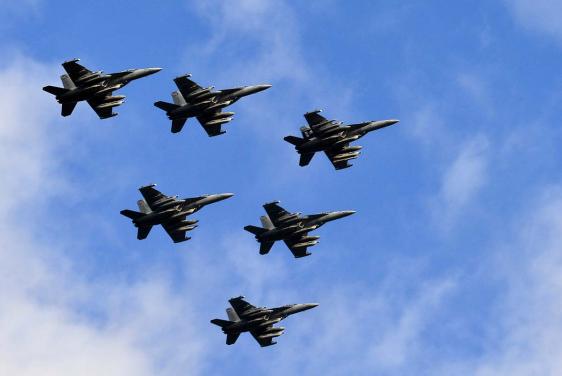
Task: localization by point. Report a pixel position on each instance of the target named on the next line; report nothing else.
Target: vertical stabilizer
(306, 132)
(67, 82)
(178, 98)
(143, 207)
(266, 222)
(232, 316)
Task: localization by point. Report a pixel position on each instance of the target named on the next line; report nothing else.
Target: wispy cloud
(540, 15)
(463, 178)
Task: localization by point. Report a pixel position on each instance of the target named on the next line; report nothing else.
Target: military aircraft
(292, 228)
(259, 321)
(191, 100)
(333, 138)
(81, 84)
(168, 211)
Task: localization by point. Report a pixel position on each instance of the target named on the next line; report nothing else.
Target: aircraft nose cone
(219, 197)
(346, 213)
(258, 88)
(153, 70)
(309, 306)
(393, 121)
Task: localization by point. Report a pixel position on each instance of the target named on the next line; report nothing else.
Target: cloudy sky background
(451, 266)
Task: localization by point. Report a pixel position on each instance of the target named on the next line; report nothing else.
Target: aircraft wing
(103, 113)
(177, 236)
(240, 305)
(75, 70)
(265, 341)
(151, 195)
(320, 126)
(314, 118)
(211, 129)
(274, 212)
(332, 155)
(297, 252)
(186, 86)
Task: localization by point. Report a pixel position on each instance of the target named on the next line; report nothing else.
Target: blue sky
(451, 266)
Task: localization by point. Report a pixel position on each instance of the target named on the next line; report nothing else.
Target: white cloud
(530, 313)
(463, 179)
(46, 325)
(539, 15)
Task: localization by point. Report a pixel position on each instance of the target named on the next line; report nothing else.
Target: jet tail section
(255, 230)
(266, 222)
(232, 315)
(221, 323)
(67, 82)
(265, 247)
(143, 207)
(131, 214)
(295, 140)
(178, 98)
(232, 337)
(305, 159)
(67, 108)
(177, 125)
(55, 90)
(143, 232)
(166, 106)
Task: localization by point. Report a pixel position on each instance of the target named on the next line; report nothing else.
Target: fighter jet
(81, 84)
(333, 138)
(168, 211)
(259, 321)
(191, 100)
(292, 228)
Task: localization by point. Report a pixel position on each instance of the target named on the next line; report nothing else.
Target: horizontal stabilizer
(231, 338)
(177, 125)
(67, 108)
(305, 159)
(221, 323)
(131, 214)
(265, 247)
(143, 232)
(294, 140)
(55, 90)
(166, 106)
(255, 230)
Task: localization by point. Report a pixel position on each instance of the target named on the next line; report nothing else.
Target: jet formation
(292, 228)
(191, 100)
(96, 88)
(259, 321)
(333, 138)
(168, 211)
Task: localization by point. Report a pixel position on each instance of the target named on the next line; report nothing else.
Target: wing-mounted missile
(108, 89)
(87, 77)
(346, 140)
(273, 329)
(269, 322)
(218, 121)
(218, 106)
(305, 230)
(201, 95)
(305, 244)
(114, 98)
(350, 149)
(346, 156)
(222, 115)
(110, 104)
(271, 334)
(309, 238)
